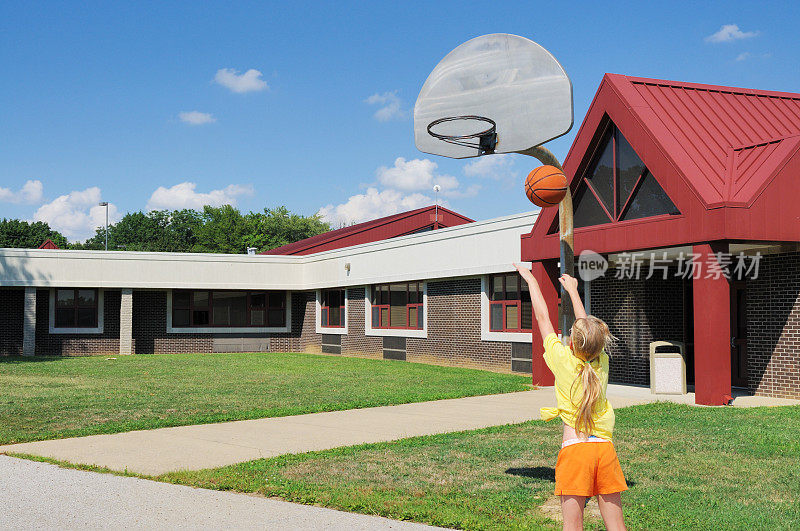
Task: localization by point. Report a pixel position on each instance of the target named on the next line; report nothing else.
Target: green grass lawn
(47, 398)
(687, 467)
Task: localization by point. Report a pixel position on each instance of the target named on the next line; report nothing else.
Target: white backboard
(506, 78)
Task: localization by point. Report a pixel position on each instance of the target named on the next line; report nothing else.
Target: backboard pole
(566, 316)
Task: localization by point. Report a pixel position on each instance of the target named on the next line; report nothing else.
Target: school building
(688, 192)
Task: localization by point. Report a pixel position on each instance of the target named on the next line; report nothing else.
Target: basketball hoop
(484, 141)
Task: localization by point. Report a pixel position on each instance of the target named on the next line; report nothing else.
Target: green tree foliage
(276, 227)
(158, 230)
(222, 229)
(21, 234)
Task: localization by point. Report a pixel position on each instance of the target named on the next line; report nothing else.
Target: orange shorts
(589, 469)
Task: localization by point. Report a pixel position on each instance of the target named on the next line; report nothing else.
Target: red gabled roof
(375, 230)
(729, 159)
(731, 139)
(48, 244)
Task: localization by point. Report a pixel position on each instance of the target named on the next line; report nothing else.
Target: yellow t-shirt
(569, 390)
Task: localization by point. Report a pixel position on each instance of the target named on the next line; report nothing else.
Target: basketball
(546, 186)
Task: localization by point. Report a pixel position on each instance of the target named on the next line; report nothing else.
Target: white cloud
(495, 167)
(250, 81)
(183, 195)
(371, 205)
(412, 175)
(747, 55)
(389, 106)
(31, 192)
(730, 33)
(196, 117)
(471, 191)
(77, 215)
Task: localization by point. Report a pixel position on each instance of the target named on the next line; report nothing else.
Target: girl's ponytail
(590, 336)
(584, 419)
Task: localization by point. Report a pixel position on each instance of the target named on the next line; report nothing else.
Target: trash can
(667, 368)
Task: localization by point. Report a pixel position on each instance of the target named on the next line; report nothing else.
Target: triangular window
(601, 174)
(649, 199)
(618, 187)
(587, 208)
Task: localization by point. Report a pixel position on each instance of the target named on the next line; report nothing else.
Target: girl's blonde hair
(590, 336)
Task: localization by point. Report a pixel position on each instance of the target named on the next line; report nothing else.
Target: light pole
(105, 204)
(436, 189)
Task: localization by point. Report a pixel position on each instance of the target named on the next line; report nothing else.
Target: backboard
(500, 79)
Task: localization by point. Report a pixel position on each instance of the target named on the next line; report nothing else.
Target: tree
(21, 234)
(276, 227)
(222, 229)
(158, 231)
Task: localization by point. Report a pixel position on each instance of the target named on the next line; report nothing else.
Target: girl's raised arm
(537, 299)
(571, 287)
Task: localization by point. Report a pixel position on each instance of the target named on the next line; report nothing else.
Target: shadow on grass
(546, 473)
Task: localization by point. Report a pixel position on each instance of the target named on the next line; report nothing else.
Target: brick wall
(303, 335)
(454, 336)
(454, 329)
(150, 327)
(11, 321)
(637, 312)
(773, 327)
(78, 344)
(355, 343)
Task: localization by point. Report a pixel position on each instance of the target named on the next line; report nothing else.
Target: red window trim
(504, 303)
(210, 308)
(419, 305)
(76, 306)
(325, 310)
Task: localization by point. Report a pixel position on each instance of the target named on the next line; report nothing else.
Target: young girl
(587, 463)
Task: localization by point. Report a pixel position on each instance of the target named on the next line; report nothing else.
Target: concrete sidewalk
(163, 450)
(44, 496)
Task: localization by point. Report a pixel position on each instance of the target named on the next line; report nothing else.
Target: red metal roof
(729, 158)
(375, 230)
(48, 244)
(731, 137)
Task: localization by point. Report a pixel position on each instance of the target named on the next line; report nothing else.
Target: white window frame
(341, 330)
(51, 310)
(486, 333)
(231, 329)
(395, 332)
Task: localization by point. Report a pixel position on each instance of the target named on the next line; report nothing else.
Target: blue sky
(276, 97)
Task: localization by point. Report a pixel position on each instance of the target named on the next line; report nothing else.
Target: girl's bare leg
(611, 511)
(572, 511)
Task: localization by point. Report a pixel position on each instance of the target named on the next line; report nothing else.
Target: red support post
(712, 331)
(546, 274)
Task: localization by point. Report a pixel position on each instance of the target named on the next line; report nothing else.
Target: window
(617, 187)
(509, 304)
(332, 308)
(76, 308)
(228, 309)
(398, 306)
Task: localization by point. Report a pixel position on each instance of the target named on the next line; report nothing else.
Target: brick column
(29, 323)
(546, 274)
(126, 322)
(712, 331)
